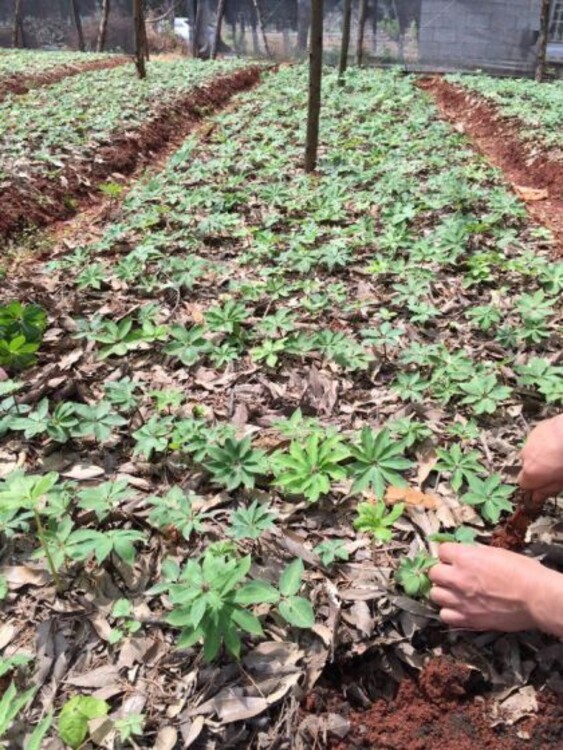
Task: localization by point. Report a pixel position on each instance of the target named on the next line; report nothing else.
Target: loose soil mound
(526, 166)
(39, 201)
(21, 84)
(444, 709)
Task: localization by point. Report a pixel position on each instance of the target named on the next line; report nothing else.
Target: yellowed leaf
(531, 194)
(411, 497)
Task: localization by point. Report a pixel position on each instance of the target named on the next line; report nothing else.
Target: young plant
(98, 420)
(331, 550)
(484, 394)
(123, 610)
(105, 498)
(251, 522)
(176, 510)
(461, 466)
(462, 535)
(489, 495)
(310, 468)
(21, 492)
(372, 518)
(235, 463)
(75, 716)
(412, 574)
(378, 461)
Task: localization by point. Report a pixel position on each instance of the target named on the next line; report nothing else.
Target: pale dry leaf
(191, 730)
(95, 678)
(166, 739)
(412, 498)
(531, 194)
(84, 472)
(517, 706)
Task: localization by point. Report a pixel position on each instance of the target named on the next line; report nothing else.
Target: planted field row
(22, 70)
(539, 109)
(262, 393)
(59, 140)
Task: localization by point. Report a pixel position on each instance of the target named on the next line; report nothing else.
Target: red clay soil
(39, 201)
(497, 138)
(22, 83)
(440, 711)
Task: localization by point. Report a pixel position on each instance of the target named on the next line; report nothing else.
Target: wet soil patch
(39, 201)
(535, 174)
(512, 534)
(447, 706)
(22, 83)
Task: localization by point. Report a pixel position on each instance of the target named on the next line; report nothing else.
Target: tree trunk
(303, 23)
(140, 37)
(261, 24)
(346, 21)
(17, 34)
(315, 82)
(192, 15)
(544, 37)
(217, 35)
(201, 41)
(78, 23)
(374, 24)
(102, 33)
(361, 31)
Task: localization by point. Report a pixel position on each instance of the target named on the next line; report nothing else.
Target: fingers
(444, 576)
(448, 552)
(444, 597)
(453, 618)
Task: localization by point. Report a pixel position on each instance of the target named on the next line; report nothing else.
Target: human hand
(542, 460)
(486, 588)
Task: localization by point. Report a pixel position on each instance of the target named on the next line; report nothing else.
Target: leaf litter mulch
(535, 171)
(403, 224)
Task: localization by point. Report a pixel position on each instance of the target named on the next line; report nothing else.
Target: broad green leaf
(74, 718)
(290, 580)
(297, 611)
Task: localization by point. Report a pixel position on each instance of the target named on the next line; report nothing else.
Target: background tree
(18, 34)
(346, 22)
(140, 37)
(102, 34)
(361, 31)
(303, 23)
(315, 84)
(78, 24)
(260, 22)
(218, 23)
(544, 36)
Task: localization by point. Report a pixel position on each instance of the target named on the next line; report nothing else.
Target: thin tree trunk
(374, 24)
(201, 40)
(261, 24)
(17, 33)
(361, 31)
(193, 19)
(544, 36)
(315, 82)
(102, 33)
(303, 23)
(140, 38)
(217, 36)
(78, 23)
(346, 21)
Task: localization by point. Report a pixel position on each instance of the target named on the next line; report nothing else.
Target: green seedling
(490, 496)
(332, 550)
(122, 611)
(412, 574)
(373, 519)
(378, 461)
(75, 716)
(252, 522)
(235, 463)
(310, 468)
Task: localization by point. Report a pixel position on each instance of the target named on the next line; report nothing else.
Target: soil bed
(497, 137)
(446, 707)
(21, 84)
(40, 201)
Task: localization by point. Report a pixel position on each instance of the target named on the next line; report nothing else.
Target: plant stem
(50, 561)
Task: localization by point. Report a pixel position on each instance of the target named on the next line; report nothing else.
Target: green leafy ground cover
(49, 128)
(233, 379)
(539, 108)
(29, 62)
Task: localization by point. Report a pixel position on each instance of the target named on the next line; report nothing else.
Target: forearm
(546, 606)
